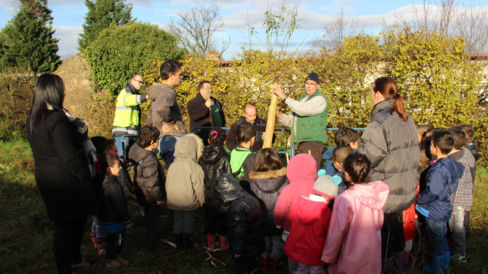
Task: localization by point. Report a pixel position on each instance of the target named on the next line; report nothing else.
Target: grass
(26, 232)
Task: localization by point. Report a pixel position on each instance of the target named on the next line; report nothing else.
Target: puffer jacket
(391, 145)
(214, 162)
(245, 219)
(436, 200)
(301, 172)
(267, 186)
(184, 185)
(149, 175)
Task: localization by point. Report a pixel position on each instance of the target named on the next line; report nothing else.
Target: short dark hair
(346, 135)
(244, 132)
(267, 159)
(340, 153)
(147, 135)
(459, 137)
(357, 165)
(201, 83)
(217, 136)
(100, 143)
(169, 66)
(443, 140)
(468, 132)
(111, 159)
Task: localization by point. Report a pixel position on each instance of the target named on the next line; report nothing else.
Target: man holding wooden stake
(308, 117)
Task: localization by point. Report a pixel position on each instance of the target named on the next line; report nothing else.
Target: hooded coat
(310, 222)
(149, 175)
(164, 107)
(301, 173)
(267, 186)
(436, 200)
(184, 185)
(353, 242)
(214, 162)
(392, 146)
(245, 217)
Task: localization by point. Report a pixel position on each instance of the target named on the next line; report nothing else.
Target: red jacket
(309, 223)
(301, 172)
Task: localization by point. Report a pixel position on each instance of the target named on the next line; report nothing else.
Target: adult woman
(391, 144)
(61, 169)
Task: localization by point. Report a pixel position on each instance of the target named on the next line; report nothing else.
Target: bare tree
(452, 19)
(336, 32)
(196, 29)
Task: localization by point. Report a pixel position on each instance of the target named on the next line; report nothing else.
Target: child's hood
(455, 168)
(212, 154)
(372, 195)
(309, 211)
(137, 153)
(269, 181)
(302, 167)
(189, 147)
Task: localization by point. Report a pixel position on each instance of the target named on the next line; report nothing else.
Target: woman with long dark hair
(390, 142)
(61, 169)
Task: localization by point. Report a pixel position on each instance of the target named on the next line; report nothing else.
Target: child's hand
(201, 204)
(160, 202)
(237, 255)
(129, 225)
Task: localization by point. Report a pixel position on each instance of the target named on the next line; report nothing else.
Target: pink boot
(224, 242)
(211, 241)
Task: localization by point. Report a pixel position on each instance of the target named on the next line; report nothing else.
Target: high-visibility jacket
(127, 112)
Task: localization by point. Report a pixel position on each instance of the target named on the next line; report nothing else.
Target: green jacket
(311, 128)
(237, 157)
(127, 111)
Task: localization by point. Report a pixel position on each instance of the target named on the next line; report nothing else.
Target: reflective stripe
(124, 107)
(124, 130)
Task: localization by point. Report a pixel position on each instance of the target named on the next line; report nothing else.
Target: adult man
(249, 115)
(205, 111)
(164, 107)
(308, 117)
(127, 112)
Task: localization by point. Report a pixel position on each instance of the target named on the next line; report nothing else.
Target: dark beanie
(314, 77)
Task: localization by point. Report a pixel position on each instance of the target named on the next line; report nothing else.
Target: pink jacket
(301, 172)
(353, 243)
(310, 221)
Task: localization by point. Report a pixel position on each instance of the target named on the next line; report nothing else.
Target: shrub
(120, 51)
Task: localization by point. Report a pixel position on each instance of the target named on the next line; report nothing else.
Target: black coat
(200, 114)
(214, 162)
(114, 209)
(61, 169)
(245, 217)
(259, 126)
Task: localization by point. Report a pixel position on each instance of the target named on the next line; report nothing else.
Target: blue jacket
(436, 200)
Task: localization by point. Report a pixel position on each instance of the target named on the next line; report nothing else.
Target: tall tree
(196, 29)
(101, 14)
(27, 40)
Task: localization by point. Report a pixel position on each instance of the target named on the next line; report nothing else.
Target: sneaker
(460, 258)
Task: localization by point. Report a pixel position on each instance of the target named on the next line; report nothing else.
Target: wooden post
(270, 123)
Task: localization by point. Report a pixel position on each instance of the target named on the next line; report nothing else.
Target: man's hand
(279, 114)
(276, 89)
(208, 103)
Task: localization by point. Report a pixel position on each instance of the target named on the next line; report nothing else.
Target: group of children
(257, 208)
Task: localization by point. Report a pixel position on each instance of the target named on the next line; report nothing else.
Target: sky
(237, 15)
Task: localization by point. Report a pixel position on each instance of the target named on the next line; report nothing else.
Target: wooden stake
(270, 123)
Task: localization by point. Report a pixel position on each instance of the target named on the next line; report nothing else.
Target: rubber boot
(211, 241)
(446, 256)
(434, 267)
(224, 242)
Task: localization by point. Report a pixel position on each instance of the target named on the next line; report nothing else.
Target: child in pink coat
(353, 243)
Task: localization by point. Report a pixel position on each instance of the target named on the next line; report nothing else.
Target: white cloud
(68, 40)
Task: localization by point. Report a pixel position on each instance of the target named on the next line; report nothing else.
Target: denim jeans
(458, 231)
(436, 236)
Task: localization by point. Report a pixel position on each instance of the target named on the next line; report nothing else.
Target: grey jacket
(164, 107)
(184, 186)
(391, 145)
(149, 175)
